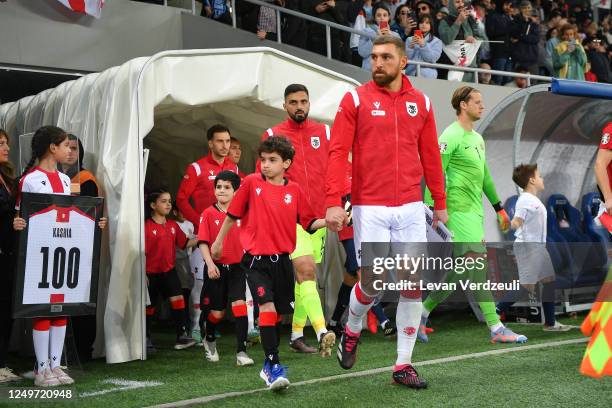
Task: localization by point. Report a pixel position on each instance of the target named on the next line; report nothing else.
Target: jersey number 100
(59, 268)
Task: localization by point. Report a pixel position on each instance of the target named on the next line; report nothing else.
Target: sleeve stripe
(197, 168)
(327, 132)
(427, 103)
(355, 97)
(270, 132)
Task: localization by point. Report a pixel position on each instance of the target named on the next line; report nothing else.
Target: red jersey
(161, 241)
(199, 184)
(394, 143)
(311, 141)
(606, 143)
(269, 213)
(210, 224)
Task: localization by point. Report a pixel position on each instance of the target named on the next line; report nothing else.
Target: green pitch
(541, 377)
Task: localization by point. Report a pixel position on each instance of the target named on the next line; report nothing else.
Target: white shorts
(533, 262)
(377, 223)
(197, 264)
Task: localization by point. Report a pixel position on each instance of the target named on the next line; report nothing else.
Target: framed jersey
(59, 255)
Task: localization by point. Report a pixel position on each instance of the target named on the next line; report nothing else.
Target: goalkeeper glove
(503, 220)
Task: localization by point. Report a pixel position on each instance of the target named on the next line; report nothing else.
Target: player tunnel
(141, 124)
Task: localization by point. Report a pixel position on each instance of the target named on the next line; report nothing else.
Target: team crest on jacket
(315, 142)
(605, 138)
(412, 109)
(216, 222)
(288, 198)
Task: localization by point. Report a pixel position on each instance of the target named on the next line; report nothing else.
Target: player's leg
(349, 279)
(253, 336)
(237, 287)
(216, 299)
(170, 288)
(152, 287)
(260, 272)
(388, 327)
(408, 235)
(43, 377)
(370, 224)
(197, 265)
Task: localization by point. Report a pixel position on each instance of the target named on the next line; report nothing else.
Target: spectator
(484, 77)
(423, 7)
(442, 14)
(326, 10)
(247, 15)
(525, 36)
(426, 47)
(552, 39)
(599, 59)
(479, 12)
(266, 23)
(405, 22)
(459, 25)
(294, 28)
(381, 16)
(606, 25)
(569, 58)
(498, 28)
(363, 17)
(217, 10)
(518, 81)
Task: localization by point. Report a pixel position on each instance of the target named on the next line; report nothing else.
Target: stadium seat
(564, 224)
(558, 247)
(597, 233)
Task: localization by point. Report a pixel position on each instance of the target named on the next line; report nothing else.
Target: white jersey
(533, 213)
(44, 182)
(60, 251)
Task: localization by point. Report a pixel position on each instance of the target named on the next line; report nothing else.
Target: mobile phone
(383, 25)
(418, 33)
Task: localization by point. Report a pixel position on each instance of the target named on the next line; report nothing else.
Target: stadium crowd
(560, 38)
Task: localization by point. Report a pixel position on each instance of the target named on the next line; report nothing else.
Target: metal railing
(329, 25)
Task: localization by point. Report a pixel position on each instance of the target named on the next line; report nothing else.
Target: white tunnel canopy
(165, 103)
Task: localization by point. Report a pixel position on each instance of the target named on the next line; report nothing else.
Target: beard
(299, 117)
(382, 78)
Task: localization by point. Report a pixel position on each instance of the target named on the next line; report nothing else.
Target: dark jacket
(8, 244)
(498, 26)
(525, 51)
(600, 66)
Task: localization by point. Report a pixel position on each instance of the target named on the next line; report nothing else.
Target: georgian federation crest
(315, 142)
(412, 108)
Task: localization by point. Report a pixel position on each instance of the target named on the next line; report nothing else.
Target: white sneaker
(242, 359)
(558, 327)
(62, 376)
(210, 347)
(46, 379)
(7, 375)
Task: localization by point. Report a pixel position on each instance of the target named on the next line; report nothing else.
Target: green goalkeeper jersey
(466, 171)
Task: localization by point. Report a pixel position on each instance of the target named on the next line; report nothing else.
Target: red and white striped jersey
(44, 182)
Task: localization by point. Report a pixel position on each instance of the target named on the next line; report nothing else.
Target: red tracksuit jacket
(310, 140)
(394, 143)
(199, 184)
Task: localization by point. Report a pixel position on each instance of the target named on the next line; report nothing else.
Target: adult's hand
(440, 216)
(321, 7)
(470, 39)
(336, 218)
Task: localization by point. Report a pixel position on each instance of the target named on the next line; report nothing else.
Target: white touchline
(124, 385)
(216, 397)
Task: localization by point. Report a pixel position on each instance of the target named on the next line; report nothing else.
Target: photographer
(569, 58)
(424, 46)
(524, 38)
(404, 22)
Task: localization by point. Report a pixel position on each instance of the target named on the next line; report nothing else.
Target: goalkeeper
(467, 177)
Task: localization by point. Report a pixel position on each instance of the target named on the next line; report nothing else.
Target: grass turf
(545, 377)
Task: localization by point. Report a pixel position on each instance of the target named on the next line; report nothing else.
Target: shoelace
(350, 342)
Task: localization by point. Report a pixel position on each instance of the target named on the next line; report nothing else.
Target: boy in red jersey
(162, 236)
(268, 206)
(226, 277)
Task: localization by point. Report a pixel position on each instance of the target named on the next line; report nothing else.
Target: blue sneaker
(422, 332)
(275, 376)
(505, 335)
